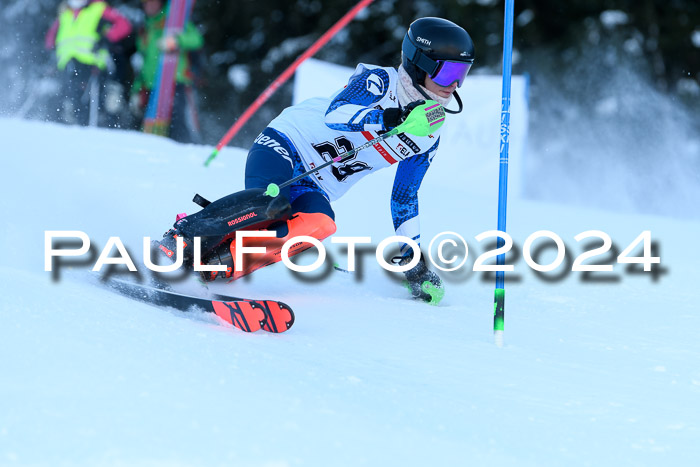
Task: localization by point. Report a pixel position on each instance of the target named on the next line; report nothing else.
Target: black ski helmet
(429, 40)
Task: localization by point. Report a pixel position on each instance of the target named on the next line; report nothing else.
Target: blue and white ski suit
(317, 130)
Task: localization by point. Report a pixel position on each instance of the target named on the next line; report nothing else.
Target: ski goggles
(448, 72)
(442, 72)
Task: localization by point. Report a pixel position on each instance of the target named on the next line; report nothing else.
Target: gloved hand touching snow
(423, 283)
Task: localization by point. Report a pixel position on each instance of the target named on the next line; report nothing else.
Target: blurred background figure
(81, 35)
(151, 43)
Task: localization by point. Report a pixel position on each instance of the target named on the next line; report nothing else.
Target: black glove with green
(423, 283)
(395, 116)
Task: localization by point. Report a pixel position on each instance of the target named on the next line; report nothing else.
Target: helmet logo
(375, 85)
(423, 41)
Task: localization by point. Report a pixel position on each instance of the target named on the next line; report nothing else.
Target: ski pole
(286, 74)
(499, 296)
(421, 125)
(93, 91)
(273, 189)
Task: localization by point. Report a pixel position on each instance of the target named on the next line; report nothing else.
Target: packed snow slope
(602, 372)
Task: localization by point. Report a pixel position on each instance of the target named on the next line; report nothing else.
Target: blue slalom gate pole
(499, 296)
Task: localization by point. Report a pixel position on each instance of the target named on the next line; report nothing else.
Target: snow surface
(595, 373)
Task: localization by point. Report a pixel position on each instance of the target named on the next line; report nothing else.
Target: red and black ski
(245, 314)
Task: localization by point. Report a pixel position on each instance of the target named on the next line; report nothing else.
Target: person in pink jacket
(80, 35)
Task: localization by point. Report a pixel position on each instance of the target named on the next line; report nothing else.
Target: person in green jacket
(81, 36)
(151, 43)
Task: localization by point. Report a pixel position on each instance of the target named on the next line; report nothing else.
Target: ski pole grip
(273, 190)
(424, 119)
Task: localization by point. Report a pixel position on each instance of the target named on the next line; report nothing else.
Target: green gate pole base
(498, 316)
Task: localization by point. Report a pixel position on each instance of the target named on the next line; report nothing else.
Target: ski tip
(279, 317)
(290, 320)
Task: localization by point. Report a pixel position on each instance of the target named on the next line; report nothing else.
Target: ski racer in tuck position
(436, 57)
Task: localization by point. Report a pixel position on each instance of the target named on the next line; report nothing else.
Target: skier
(78, 35)
(436, 57)
(184, 126)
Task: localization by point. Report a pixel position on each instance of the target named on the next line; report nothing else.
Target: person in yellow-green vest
(79, 35)
(151, 43)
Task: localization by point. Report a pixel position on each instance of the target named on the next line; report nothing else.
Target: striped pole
(499, 296)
